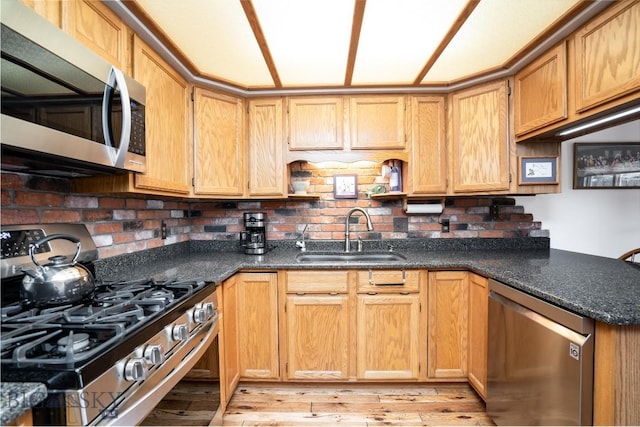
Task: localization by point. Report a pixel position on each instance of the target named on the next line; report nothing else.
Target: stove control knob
(153, 354)
(199, 315)
(179, 332)
(203, 312)
(209, 307)
(135, 369)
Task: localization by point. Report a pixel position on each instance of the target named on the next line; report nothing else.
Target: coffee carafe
(254, 240)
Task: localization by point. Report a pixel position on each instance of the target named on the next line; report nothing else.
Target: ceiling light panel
(308, 39)
(495, 31)
(398, 38)
(215, 36)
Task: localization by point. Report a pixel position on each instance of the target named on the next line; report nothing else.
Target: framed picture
(606, 165)
(345, 186)
(538, 170)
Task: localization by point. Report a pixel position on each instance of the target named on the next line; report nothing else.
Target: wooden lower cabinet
(317, 323)
(317, 337)
(478, 332)
(228, 339)
(447, 325)
(387, 336)
(257, 318)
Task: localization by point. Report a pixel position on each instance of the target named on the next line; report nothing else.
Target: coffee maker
(254, 240)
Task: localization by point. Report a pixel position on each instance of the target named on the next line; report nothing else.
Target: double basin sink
(350, 257)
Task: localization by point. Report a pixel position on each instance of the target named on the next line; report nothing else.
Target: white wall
(598, 222)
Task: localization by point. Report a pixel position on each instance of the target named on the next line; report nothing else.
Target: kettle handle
(44, 240)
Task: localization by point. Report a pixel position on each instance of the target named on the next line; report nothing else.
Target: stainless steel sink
(369, 257)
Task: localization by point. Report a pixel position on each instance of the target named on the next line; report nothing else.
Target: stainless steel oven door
(130, 389)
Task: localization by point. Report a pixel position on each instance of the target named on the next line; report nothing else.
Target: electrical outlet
(163, 230)
(445, 225)
(400, 225)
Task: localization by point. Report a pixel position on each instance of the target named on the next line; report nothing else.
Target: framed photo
(606, 165)
(538, 170)
(345, 186)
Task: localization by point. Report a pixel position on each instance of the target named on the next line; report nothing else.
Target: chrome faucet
(347, 242)
(301, 243)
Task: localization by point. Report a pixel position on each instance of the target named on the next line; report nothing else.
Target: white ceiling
(263, 45)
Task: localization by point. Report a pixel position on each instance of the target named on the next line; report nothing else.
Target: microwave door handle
(116, 79)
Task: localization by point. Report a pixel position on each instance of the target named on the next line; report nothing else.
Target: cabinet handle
(372, 283)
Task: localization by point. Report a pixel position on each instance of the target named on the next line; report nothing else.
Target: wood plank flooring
(285, 404)
(355, 405)
(189, 403)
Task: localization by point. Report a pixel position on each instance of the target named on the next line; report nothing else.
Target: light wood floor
(283, 404)
(355, 405)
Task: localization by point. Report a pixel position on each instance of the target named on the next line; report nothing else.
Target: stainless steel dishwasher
(540, 361)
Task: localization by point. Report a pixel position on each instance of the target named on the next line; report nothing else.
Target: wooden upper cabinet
(540, 92)
(218, 144)
(479, 139)
(377, 122)
(428, 164)
(315, 123)
(267, 171)
(96, 26)
(607, 56)
(51, 10)
(168, 139)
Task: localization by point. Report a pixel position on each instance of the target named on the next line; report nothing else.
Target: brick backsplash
(125, 224)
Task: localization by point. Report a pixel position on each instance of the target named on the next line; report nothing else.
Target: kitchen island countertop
(604, 289)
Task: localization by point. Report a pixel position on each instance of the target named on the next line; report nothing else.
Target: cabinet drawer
(381, 281)
(305, 281)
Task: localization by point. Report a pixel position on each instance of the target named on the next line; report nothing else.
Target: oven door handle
(137, 405)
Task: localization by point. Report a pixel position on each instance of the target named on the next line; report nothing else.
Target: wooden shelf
(307, 196)
(389, 196)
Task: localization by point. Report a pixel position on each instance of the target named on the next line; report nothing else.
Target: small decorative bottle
(395, 179)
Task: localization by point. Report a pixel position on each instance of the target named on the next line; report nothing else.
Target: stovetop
(69, 345)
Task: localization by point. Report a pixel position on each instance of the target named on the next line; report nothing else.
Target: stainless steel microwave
(63, 106)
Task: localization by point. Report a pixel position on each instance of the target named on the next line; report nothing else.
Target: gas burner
(73, 343)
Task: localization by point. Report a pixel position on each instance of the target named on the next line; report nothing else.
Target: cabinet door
(97, 27)
(377, 122)
(315, 123)
(387, 336)
(447, 325)
(51, 10)
(478, 332)
(167, 123)
(317, 337)
(479, 143)
(258, 325)
(608, 56)
(428, 165)
(540, 93)
(267, 171)
(229, 339)
(218, 144)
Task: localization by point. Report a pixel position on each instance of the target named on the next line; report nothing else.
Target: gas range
(108, 358)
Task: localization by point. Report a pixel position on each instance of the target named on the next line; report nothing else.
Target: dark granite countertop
(604, 289)
(17, 398)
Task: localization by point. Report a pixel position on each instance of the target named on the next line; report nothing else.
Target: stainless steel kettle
(58, 282)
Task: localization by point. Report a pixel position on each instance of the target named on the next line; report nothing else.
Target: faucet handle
(359, 244)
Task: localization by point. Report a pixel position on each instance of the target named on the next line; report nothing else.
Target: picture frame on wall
(537, 170)
(606, 165)
(345, 186)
